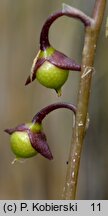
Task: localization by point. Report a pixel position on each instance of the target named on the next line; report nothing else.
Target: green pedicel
(34, 127)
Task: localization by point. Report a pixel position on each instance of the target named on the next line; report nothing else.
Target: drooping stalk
(75, 13)
(47, 52)
(88, 54)
(38, 118)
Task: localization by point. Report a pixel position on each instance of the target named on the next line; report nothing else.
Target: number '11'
(96, 207)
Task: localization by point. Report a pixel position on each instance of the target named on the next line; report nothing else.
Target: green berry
(21, 146)
(51, 76)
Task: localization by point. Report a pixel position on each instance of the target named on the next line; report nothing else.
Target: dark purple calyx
(62, 61)
(22, 127)
(39, 143)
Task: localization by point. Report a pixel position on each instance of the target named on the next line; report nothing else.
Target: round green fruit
(51, 76)
(21, 146)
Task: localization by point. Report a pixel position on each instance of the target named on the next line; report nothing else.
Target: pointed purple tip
(39, 143)
(9, 131)
(51, 157)
(28, 81)
(62, 61)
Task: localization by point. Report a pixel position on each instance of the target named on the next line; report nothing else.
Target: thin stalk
(38, 118)
(75, 13)
(90, 42)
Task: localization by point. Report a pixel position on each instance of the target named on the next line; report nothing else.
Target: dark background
(38, 178)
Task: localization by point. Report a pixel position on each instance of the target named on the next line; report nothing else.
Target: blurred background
(38, 178)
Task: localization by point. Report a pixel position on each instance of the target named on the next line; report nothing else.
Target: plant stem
(91, 36)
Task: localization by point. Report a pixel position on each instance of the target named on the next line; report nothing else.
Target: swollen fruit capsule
(51, 76)
(21, 146)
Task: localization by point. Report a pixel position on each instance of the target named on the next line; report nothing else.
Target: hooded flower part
(51, 67)
(27, 140)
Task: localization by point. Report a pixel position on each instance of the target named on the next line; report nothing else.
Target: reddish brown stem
(38, 118)
(91, 36)
(75, 13)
